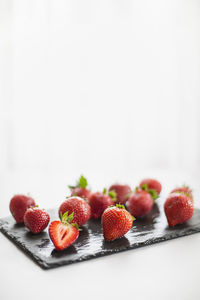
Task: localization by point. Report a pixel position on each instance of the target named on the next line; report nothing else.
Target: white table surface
(168, 270)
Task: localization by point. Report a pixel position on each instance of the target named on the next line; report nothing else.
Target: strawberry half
(178, 209)
(80, 189)
(36, 219)
(122, 192)
(116, 222)
(63, 233)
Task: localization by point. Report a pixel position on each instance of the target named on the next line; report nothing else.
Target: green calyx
(186, 186)
(152, 192)
(67, 219)
(184, 193)
(104, 191)
(81, 183)
(120, 206)
(113, 195)
(34, 206)
(133, 218)
(123, 207)
(71, 187)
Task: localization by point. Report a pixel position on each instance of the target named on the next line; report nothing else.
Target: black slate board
(90, 244)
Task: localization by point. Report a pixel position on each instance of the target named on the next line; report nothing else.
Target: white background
(109, 89)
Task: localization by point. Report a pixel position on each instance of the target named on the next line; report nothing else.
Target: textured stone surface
(90, 244)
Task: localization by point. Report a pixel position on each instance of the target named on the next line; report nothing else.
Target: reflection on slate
(90, 244)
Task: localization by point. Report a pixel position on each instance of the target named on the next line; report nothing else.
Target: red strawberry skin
(116, 222)
(178, 209)
(184, 190)
(36, 219)
(79, 206)
(81, 192)
(98, 203)
(62, 235)
(152, 184)
(18, 206)
(122, 192)
(140, 203)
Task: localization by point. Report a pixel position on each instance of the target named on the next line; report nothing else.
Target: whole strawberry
(116, 222)
(99, 202)
(178, 209)
(140, 203)
(183, 190)
(122, 192)
(151, 184)
(36, 219)
(63, 233)
(18, 206)
(79, 207)
(80, 189)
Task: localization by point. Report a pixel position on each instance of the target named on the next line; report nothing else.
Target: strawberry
(178, 208)
(79, 207)
(140, 203)
(151, 184)
(36, 219)
(18, 206)
(122, 192)
(116, 222)
(183, 190)
(80, 188)
(63, 233)
(99, 202)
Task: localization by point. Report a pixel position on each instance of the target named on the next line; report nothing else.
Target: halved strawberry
(63, 233)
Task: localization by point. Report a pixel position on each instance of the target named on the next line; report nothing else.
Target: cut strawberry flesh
(62, 235)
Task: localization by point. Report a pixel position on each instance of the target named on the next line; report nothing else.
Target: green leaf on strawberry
(104, 191)
(67, 219)
(152, 192)
(133, 218)
(113, 195)
(76, 225)
(82, 183)
(120, 206)
(71, 187)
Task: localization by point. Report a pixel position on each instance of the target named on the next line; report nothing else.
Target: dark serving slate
(90, 244)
